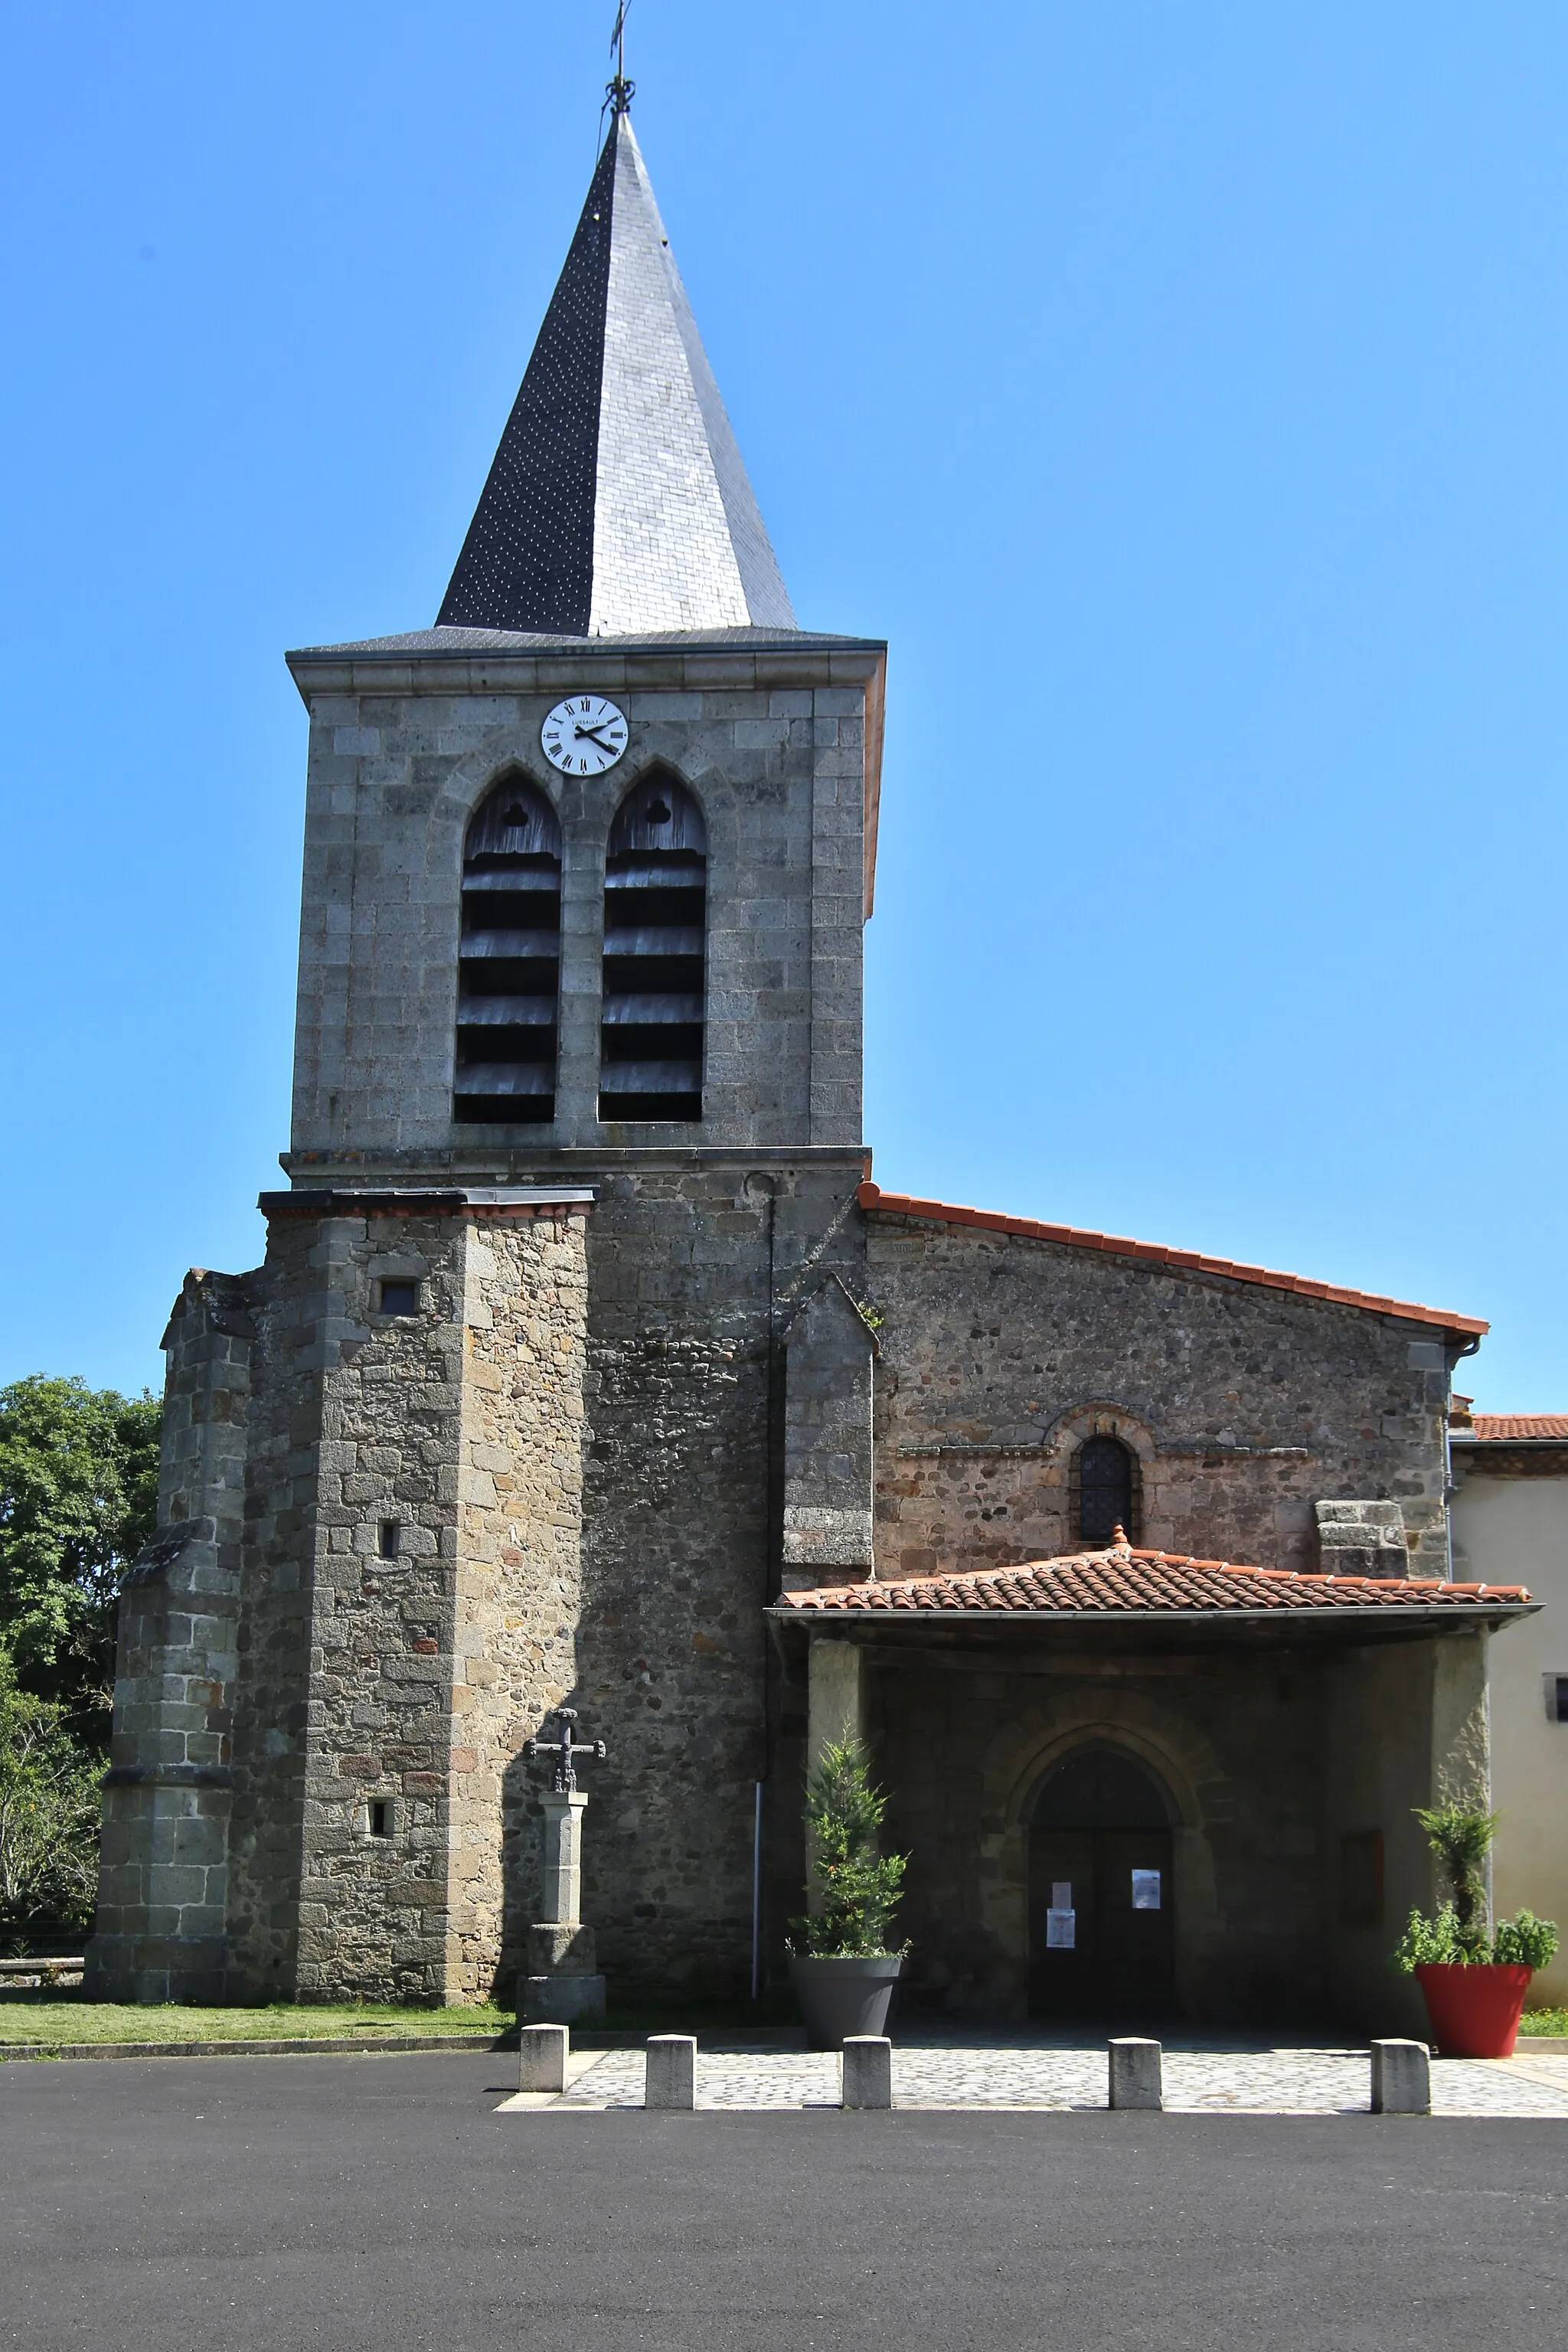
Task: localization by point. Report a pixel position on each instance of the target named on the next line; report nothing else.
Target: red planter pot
(1474, 2012)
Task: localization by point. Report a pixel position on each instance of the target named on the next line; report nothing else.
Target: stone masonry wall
(457, 1424)
(374, 1912)
(519, 1597)
(829, 1391)
(425, 1674)
(773, 746)
(1244, 1404)
(301, 1324)
(683, 1496)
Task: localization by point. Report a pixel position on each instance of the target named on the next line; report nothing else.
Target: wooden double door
(1101, 1913)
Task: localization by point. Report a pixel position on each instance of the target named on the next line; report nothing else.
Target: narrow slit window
(1107, 1490)
(388, 1540)
(656, 926)
(380, 1817)
(509, 977)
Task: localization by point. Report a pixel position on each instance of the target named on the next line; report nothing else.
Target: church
(589, 1364)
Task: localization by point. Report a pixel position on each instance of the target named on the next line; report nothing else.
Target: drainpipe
(757, 1898)
(773, 1566)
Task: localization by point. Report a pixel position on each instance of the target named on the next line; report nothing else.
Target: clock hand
(594, 735)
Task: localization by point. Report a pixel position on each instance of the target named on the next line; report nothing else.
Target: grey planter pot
(839, 1998)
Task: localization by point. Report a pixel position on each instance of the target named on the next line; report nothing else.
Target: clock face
(584, 736)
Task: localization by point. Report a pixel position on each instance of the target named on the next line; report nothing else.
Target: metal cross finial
(567, 1748)
(620, 92)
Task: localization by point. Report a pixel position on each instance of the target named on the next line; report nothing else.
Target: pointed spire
(617, 502)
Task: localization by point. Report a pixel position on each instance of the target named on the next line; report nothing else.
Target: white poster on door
(1062, 1931)
(1145, 1890)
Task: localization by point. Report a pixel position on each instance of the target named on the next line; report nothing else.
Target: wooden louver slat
(508, 960)
(653, 1021)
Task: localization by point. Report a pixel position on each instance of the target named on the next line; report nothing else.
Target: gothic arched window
(508, 972)
(656, 917)
(1105, 1490)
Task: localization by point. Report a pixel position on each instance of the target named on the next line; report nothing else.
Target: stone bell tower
(576, 1139)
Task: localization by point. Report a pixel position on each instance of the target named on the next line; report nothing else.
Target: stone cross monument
(562, 1983)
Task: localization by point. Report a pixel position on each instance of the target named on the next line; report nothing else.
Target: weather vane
(619, 92)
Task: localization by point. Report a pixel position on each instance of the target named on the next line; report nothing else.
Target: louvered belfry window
(509, 984)
(655, 912)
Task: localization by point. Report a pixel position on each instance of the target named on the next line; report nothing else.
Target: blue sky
(1181, 392)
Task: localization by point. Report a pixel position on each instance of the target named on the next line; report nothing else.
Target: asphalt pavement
(379, 2204)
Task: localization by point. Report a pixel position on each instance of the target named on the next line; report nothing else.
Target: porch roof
(1120, 1582)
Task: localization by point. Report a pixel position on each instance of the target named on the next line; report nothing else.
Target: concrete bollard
(1401, 2078)
(1136, 2079)
(868, 2073)
(542, 2058)
(671, 2077)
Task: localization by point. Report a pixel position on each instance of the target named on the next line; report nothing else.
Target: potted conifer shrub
(1472, 1980)
(842, 1962)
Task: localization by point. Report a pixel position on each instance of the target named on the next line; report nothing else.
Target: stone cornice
(391, 1170)
(426, 1200)
(614, 662)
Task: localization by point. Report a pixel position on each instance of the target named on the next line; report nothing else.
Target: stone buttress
(162, 1885)
(400, 1609)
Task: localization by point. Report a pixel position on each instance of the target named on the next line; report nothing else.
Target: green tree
(48, 1813)
(858, 1887)
(78, 1491)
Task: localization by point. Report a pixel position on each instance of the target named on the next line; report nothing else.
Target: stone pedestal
(562, 2000)
(562, 1983)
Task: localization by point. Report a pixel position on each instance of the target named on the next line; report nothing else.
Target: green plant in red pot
(1473, 1981)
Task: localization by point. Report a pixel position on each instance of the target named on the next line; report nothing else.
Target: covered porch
(1136, 1788)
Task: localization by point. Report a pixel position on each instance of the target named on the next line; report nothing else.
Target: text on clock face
(584, 735)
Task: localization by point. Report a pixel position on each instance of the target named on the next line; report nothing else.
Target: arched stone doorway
(1101, 1911)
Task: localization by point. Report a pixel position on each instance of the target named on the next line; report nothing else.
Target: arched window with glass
(1105, 1490)
(656, 922)
(509, 970)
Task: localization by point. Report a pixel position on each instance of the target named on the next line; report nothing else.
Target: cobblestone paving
(1507, 2087)
(994, 2073)
(724, 2079)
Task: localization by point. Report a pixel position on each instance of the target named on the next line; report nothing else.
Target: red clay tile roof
(1120, 1581)
(901, 1204)
(1501, 1425)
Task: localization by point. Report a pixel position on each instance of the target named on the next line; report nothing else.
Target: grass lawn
(61, 2015)
(64, 2016)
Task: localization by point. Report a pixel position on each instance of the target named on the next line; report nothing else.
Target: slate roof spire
(618, 502)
